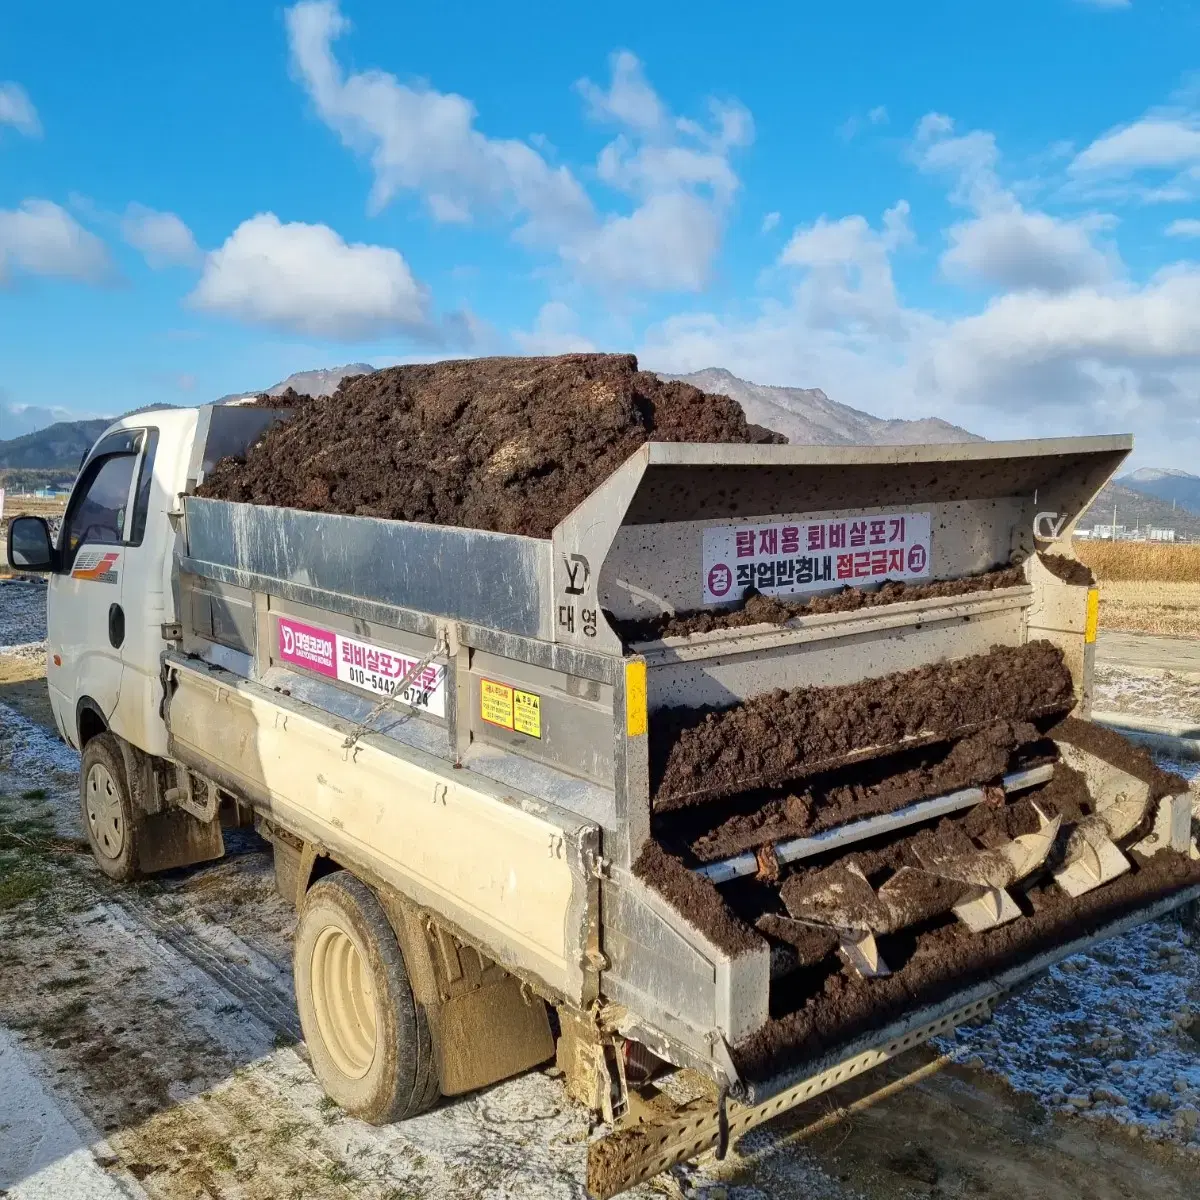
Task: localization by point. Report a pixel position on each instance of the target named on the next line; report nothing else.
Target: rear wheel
(369, 1040)
(107, 809)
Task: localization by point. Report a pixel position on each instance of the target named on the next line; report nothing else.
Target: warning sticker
(496, 703)
(527, 713)
(806, 556)
(510, 708)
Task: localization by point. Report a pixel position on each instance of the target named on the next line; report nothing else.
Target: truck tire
(107, 808)
(369, 1039)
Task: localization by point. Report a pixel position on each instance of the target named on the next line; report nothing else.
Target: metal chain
(439, 646)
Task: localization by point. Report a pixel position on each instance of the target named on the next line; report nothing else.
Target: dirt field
(148, 1049)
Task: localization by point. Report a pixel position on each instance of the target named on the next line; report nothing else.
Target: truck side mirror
(29, 545)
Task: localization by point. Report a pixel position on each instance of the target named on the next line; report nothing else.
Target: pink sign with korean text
(790, 557)
(370, 668)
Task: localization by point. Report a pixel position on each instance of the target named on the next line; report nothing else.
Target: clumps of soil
(288, 398)
(696, 899)
(869, 790)
(1069, 570)
(935, 963)
(757, 609)
(784, 736)
(510, 445)
(1118, 751)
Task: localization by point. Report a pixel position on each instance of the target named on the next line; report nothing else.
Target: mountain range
(807, 416)
(1178, 489)
(1148, 496)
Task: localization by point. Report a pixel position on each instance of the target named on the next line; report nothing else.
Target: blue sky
(985, 211)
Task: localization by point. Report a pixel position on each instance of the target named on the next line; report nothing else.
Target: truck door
(85, 605)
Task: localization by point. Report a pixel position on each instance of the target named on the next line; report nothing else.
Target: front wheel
(369, 1039)
(107, 809)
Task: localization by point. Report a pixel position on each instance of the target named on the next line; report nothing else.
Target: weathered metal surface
(658, 959)
(507, 868)
(655, 1147)
(491, 579)
(727, 666)
(795, 849)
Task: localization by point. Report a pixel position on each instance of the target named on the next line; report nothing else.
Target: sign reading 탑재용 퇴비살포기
(371, 668)
(808, 556)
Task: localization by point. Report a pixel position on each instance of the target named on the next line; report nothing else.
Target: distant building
(1161, 535)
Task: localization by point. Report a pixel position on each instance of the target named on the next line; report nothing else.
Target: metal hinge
(596, 864)
(172, 631)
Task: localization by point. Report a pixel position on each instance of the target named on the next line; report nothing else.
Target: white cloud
(1029, 364)
(161, 237)
(555, 331)
(1153, 142)
(16, 109)
(852, 126)
(847, 277)
(424, 140)
(1185, 228)
(1158, 323)
(665, 243)
(770, 221)
(1005, 245)
(1014, 249)
(42, 238)
(427, 141)
(677, 170)
(970, 159)
(629, 99)
(307, 280)
(1067, 345)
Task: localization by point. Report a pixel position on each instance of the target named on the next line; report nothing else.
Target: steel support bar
(857, 831)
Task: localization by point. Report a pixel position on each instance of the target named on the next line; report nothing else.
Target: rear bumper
(639, 1149)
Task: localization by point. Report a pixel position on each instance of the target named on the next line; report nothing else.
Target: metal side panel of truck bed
(513, 873)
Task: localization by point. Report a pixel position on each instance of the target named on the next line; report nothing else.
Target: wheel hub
(106, 820)
(344, 1002)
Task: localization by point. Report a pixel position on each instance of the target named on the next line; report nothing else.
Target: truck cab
(109, 587)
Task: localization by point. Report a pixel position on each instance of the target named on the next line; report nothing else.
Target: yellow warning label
(527, 713)
(1093, 615)
(496, 703)
(635, 698)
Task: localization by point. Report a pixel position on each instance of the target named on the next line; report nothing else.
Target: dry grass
(1151, 607)
(26, 506)
(1146, 587)
(1141, 562)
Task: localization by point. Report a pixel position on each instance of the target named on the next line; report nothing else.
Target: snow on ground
(43, 1153)
(1114, 1032)
(22, 613)
(27, 749)
(1147, 693)
(1111, 1033)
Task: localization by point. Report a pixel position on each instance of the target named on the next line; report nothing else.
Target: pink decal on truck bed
(307, 646)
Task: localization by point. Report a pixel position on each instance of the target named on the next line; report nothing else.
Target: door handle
(116, 625)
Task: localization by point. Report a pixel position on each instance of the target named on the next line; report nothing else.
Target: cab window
(98, 512)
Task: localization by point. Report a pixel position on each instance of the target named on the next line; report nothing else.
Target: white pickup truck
(447, 741)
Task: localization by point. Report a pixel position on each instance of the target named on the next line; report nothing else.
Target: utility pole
(1114, 528)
